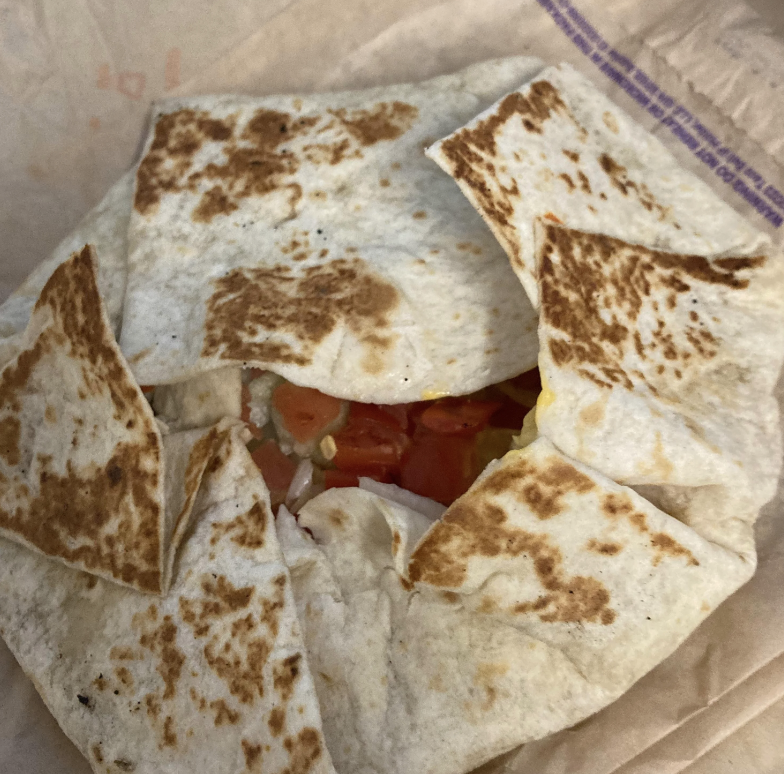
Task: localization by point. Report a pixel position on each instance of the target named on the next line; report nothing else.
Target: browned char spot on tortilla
(477, 526)
(619, 178)
(607, 548)
(277, 721)
(304, 750)
(124, 676)
(594, 289)
(10, 432)
(177, 138)
(160, 638)
(252, 753)
(224, 715)
(246, 530)
(240, 626)
(485, 679)
(251, 309)
(570, 186)
(105, 514)
(214, 201)
(385, 121)
(470, 154)
(541, 489)
(619, 505)
(258, 160)
(285, 674)
(256, 167)
(169, 734)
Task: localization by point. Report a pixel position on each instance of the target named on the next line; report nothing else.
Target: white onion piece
(430, 509)
(303, 478)
(261, 389)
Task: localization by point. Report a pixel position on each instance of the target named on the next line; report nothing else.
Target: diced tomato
(371, 443)
(334, 479)
(458, 417)
(370, 412)
(399, 412)
(439, 466)
(255, 373)
(306, 412)
(278, 470)
(146, 388)
(255, 431)
(529, 380)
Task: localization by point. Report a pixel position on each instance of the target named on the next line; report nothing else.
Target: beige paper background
(76, 81)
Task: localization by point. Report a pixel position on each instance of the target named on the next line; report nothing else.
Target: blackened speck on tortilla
(83, 699)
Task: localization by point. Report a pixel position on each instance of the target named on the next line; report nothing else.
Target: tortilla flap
(81, 475)
(537, 599)
(559, 148)
(309, 235)
(213, 677)
(660, 367)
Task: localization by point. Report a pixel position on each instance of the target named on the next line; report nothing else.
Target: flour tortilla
(86, 476)
(559, 146)
(214, 674)
(310, 235)
(201, 401)
(105, 227)
(660, 369)
(541, 596)
(81, 457)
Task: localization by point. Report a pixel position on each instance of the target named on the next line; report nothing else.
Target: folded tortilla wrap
(661, 325)
(539, 597)
(659, 370)
(559, 146)
(212, 677)
(81, 457)
(311, 236)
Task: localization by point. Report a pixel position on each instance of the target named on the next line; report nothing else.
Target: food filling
(304, 441)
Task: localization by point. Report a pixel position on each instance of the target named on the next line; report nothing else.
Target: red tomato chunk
(439, 466)
(458, 417)
(305, 411)
(371, 442)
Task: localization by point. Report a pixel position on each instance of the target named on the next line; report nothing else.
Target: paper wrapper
(76, 82)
